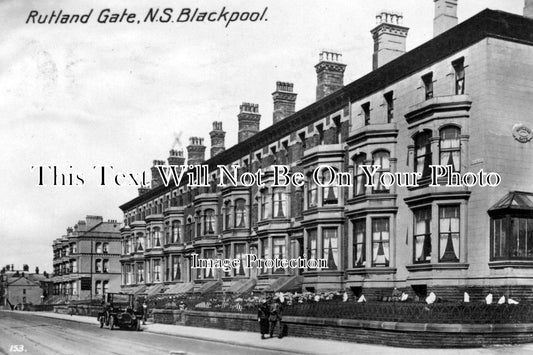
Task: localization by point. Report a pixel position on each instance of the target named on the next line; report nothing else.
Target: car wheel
(102, 321)
(111, 323)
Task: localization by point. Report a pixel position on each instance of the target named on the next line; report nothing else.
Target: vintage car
(119, 311)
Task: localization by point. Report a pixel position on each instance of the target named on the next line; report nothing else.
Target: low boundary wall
(401, 334)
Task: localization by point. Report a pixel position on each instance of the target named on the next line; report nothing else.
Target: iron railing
(410, 312)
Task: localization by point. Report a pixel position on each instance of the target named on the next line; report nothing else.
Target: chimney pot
(445, 16)
(389, 38)
(196, 151)
(249, 119)
(217, 138)
(528, 8)
(156, 177)
(330, 73)
(284, 101)
(175, 157)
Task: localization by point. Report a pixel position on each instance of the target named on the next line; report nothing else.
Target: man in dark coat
(263, 314)
(276, 311)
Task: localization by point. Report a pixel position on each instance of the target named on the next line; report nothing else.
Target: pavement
(287, 344)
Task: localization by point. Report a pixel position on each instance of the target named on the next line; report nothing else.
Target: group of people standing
(269, 315)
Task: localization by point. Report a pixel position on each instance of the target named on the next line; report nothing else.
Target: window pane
(422, 234)
(311, 244)
(380, 242)
(278, 251)
(449, 234)
(239, 254)
(359, 243)
(423, 153)
(240, 214)
(330, 250)
(265, 253)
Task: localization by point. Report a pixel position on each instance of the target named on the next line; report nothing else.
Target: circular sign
(522, 133)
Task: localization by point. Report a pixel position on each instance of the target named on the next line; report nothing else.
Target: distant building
(21, 291)
(9, 272)
(86, 260)
(462, 99)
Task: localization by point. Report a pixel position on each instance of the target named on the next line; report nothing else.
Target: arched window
(450, 147)
(359, 180)
(423, 153)
(209, 221)
(240, 213)
(98, 247)
(105, 248)
(176, 226)
(279, 204)
(105, 265)
(381, 159)
(105, 287)
(98, 265)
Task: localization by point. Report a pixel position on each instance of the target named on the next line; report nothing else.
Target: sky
(77, 96)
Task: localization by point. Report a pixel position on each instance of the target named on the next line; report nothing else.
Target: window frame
(450, 150)
(356, 242)
(449, 234)
(426, 235)
(382, 241)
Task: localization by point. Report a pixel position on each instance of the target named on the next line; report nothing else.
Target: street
(32, 334)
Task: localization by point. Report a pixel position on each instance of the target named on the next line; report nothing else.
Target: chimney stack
(142, 190)
(329, 73)
(445, 16)
(217, 138)
(284, 101)
(175, 157)
(249, 118)
(195, 151)
(93, 221)
(528, 8)
(156, 177)
(389, 38)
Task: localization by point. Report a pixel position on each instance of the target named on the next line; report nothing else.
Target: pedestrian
(263, 313)
(276, 311)
(145, 312)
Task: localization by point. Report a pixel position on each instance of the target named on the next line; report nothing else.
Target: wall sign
(522, 133)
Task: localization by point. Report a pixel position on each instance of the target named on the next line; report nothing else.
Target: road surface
(31, 334)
